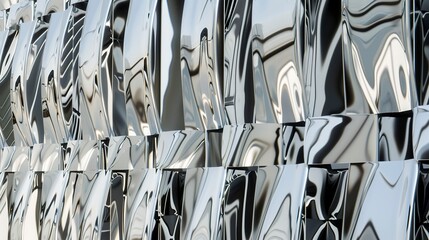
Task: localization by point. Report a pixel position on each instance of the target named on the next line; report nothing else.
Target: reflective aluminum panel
(201, 62)
(341, 139)
(55, 75)
(238, 71)
(377, 60)
(251, 145)
(277, 40)
(170, 94)
(324, 201)
(385, 188)
(9, 39)
(323, 68)
(94, 71)
(141, 68)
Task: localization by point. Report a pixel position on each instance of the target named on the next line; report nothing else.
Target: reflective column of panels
(9, 39)
(21, 19)
(94, 72)
(84, 202)
(141, 204)
(118, 113)
(24, 89)
(419, 28)
(277, 53)
(141, 68)
(201, 51)
(56, 79)
(203, 191)
(263, 202)
(323, 68)
(170, 88)
(3, 19)
(239, 98)
(168, 216)
(378, 69)
(74, 114)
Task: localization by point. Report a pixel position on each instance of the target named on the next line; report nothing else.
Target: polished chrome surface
(378, 70)
(366, 182)
(25, 84)
(170, 94)
(238, 71)
(277, 40)
(141, 68)
(45, 7)
(160, 119)
(338, 139)
(9, 39)
(251, 145)
(182, 149)
(94, 71)
(324, 201)
(22, 11)
(323, 68)
(201, 206)
(201, 62)
(56, 88)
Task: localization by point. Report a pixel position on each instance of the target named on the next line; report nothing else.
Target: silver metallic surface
(394, 216)
(22, 11)
(338, 139)
(170, 94)
(201, 205)
(182, 149)
(395, 141)
(324, 201)
(141, 203)
(3, 20)
(118, 112)
(280, 205)
(141, 68)
(201, 61)
(277, 40)
(56, 87)
(377, 59)
(45, 7)
(9, 39)
(118, 120)
(421, 215)
(251, 145)
(20, 101)
(94, 71)
(7, 3)
(419, 43)
(420, 129)
(238, 71)
(323, 68)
